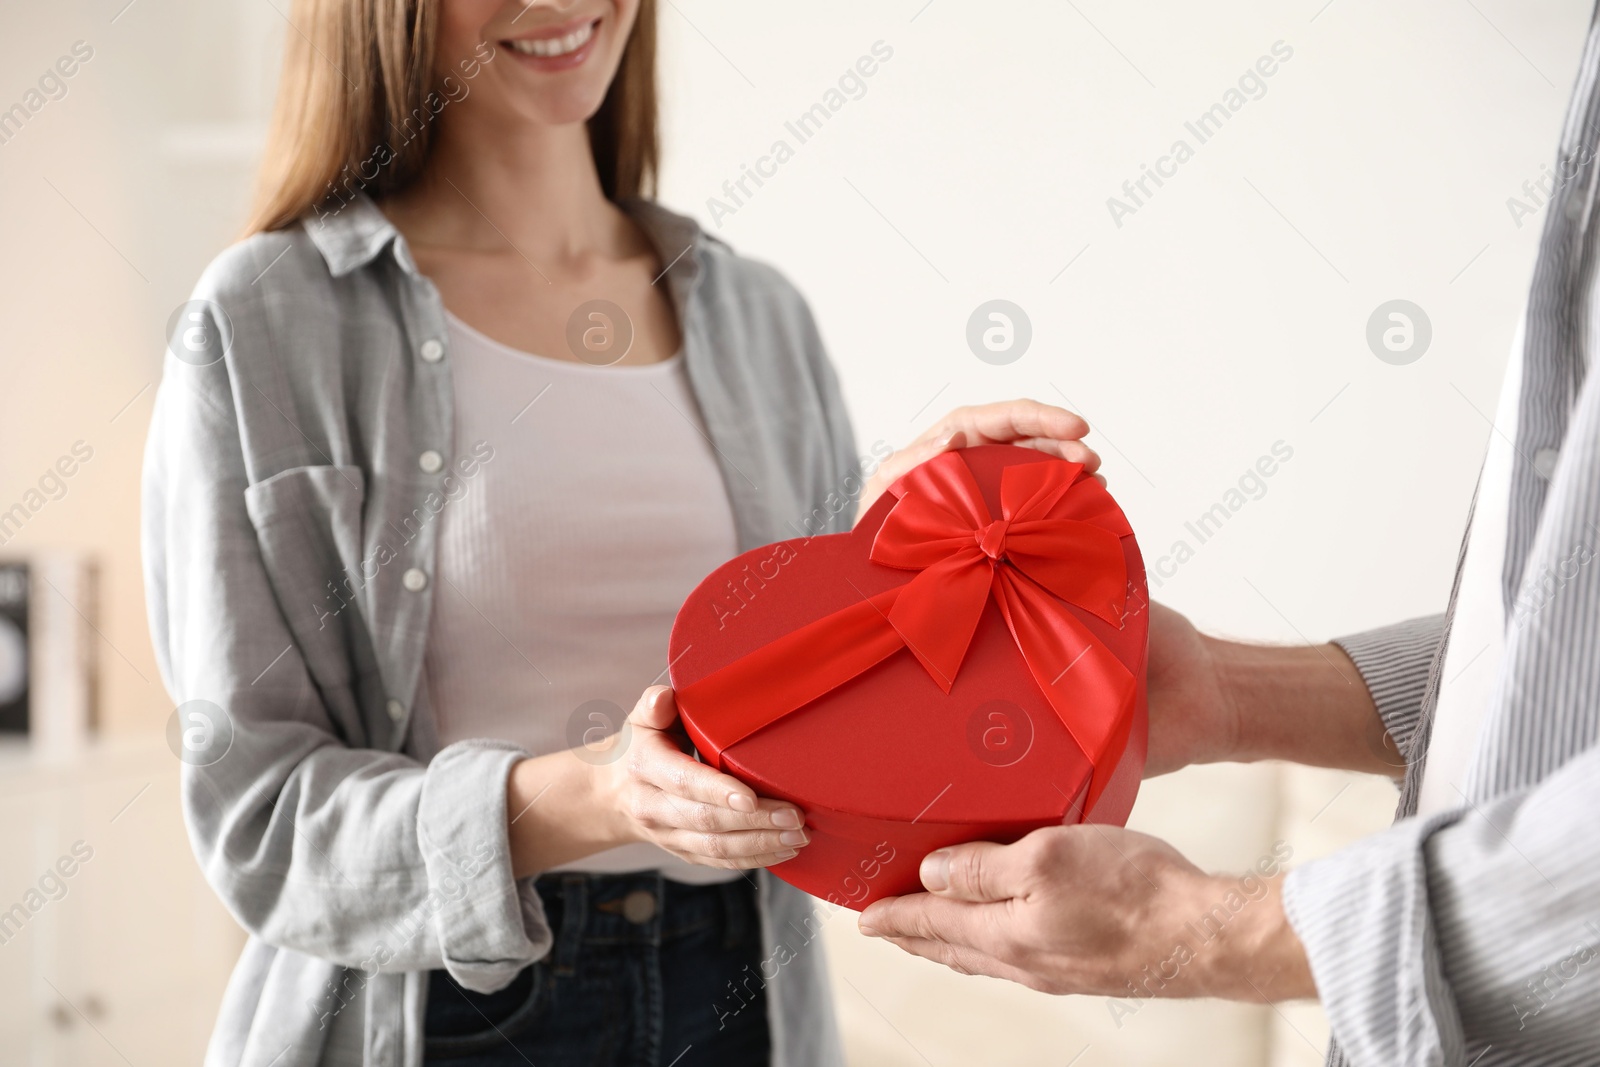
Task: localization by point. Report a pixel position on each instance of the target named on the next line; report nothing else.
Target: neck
(537, 190)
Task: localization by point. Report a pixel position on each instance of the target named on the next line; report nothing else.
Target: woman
(475, 419)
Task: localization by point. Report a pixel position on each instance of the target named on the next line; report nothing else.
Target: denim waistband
(641, 908)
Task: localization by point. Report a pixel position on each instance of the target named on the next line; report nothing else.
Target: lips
(555, 47)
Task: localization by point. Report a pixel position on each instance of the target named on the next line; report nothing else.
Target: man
(1469, 932)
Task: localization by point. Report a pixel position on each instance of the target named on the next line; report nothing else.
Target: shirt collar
(353, 235)
(677, 239)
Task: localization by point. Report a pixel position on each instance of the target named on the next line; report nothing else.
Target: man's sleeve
(1476, 927)
(1395, 662)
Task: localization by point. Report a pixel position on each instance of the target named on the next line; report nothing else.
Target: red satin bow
(1058, 541)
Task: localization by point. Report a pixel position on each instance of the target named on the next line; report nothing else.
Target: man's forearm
(1305, 704)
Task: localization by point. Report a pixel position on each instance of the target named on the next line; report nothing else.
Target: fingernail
(786, 854)
(866, 930)
(793, 837)
(787, 819)
(741, 802)
(936, 871)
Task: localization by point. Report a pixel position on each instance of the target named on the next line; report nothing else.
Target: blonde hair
(358, 94)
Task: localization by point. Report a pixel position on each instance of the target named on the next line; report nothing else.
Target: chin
(564, 108)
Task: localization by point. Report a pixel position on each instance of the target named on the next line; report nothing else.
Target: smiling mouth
(555, 47)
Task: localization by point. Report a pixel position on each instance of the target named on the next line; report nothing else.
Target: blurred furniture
(49, 678)
(124, 959)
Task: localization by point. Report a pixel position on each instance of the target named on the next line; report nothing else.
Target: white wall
(1206, 327)
(1226, 315)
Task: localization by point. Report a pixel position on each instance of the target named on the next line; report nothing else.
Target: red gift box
(966, 664)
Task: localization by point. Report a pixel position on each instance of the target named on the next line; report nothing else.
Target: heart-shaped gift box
(966, 664)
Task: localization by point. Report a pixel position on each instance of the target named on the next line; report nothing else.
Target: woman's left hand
(1012, 422)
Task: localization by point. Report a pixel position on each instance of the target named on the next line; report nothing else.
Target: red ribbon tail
(781, 677)
(1066, 662)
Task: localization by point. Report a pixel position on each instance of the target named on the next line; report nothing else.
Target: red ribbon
(1058, 542)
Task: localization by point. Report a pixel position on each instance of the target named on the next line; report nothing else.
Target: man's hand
(1193, 718)
(1100, 910)
(1212, 700)
(1026, 423)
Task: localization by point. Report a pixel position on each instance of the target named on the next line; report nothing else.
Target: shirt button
(1544, 462)
(430, 462)
(431, 351)
(639, 906)
(414, 580)
(396, 710)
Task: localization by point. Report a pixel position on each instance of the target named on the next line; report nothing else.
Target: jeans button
(639, 906)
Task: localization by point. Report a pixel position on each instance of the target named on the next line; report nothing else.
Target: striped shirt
(1471, 935)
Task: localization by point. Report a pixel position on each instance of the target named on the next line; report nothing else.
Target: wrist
(1247, 675)
(558, 809)
(1259, 957)
(1229, 661)
(606, 796)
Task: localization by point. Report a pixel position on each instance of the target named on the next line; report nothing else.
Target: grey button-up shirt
(289, 542)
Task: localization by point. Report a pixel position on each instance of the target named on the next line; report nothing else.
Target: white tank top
(564, 557)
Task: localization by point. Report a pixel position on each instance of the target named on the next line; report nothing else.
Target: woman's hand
(667, 798)
(1012, 422)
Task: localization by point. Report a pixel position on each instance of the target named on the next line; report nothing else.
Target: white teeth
(555, 46)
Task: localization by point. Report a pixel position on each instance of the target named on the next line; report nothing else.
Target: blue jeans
(640, 976)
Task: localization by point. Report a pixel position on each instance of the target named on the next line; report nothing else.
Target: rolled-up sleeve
(1395, 663)
(489, 926)
(315, 836)
(1468, 929)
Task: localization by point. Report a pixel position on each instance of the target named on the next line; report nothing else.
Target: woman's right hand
(666, 797)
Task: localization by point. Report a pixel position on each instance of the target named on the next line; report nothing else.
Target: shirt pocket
(308, 521)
